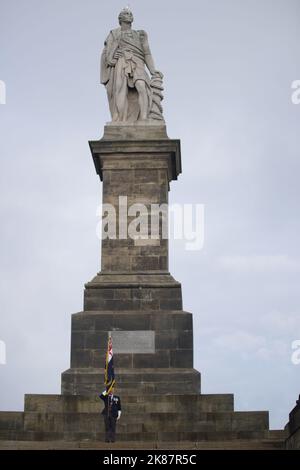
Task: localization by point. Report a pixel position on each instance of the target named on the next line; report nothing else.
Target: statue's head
(126, 16)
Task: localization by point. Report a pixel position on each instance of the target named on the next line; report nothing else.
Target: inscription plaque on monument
(133, 342)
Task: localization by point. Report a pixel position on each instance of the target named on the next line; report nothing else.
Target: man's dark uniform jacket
(112, 405)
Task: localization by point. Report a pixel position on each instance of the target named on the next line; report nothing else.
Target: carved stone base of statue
(140, 130)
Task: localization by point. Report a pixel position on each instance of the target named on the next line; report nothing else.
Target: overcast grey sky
(228, 67)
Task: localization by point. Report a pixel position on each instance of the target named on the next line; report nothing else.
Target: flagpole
(109, 373)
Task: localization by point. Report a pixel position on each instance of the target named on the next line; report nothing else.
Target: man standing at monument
(112, 403)
(111, 413)
(132, 95)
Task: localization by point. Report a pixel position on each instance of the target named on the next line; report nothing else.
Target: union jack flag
(109, 375)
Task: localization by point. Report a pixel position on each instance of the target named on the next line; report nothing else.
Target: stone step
(89, 381)
(149, 422)
(130, 403)
(178, 437)
(89, 423)
(11, 421)
(235, 444)
(277, 434)
(145, 374)
(161, 388)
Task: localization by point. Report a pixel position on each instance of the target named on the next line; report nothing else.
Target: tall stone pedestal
(134, 296)
(136, 299)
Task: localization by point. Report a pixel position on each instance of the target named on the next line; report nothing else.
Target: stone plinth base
(135, 131)
(152, 419)
(145, 339)
(153, 352)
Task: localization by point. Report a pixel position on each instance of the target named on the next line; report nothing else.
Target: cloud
(281, 323)
(267, 337)
(249, 346)
(259, 263)
(239, 341)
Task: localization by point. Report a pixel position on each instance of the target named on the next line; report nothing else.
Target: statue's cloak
(133, 46)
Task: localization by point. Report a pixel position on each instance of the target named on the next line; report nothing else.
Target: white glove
(104, 393)
(119, 414)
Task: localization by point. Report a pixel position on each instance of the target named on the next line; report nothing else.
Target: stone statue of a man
(132, 94)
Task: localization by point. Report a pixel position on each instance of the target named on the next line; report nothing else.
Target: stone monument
(134, 297)
(293, 428)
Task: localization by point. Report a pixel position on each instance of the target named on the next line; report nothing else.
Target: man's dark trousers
(112, 407)
(110, 428)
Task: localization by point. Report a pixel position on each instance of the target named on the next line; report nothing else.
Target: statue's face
(125, 17)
